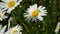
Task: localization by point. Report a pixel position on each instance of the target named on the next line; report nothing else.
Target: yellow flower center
(11, 4)
(1, 15)
(15, 31)
(35, 13)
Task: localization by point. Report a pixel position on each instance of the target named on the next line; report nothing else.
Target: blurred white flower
(33, 13)
(57, 27)
(2, 30)
(9, 5)
(2, 16)
(14, 30)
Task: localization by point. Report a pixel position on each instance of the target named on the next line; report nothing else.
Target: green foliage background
(47, 26)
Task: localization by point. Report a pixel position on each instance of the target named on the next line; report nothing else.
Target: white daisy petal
(33, 7)
(57, 27)
(57, 30)
(18, 2)
(39, 8)
(8, 32)
(4, 9)
(26, 15)
(5, 17)
(3, 30)
(9, 10)
(19, 27)
(20, 32)
(42, 8)
(5, 1)
(0, 12)
(40, 18)
(1, 3)
(27, 18)
(42, 14)
(0, 19)
(0, 27)
(2, 6)
(34, 19)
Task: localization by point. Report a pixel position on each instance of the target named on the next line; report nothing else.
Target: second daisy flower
(33, 13)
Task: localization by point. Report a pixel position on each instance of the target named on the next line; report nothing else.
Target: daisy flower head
(9, 5)
(2, 16)
(57, 27)
(14, 30)
(33, 13)
(2, 30)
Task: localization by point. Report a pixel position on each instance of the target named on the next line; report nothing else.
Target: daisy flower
(9, 5)
(57, 27)
(33, 13)
(2, 16)
(14, 30)
(2, 30)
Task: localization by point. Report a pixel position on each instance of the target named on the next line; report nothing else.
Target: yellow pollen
(14, 31)
(11, 4)
(1, 15)
(35, 13)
